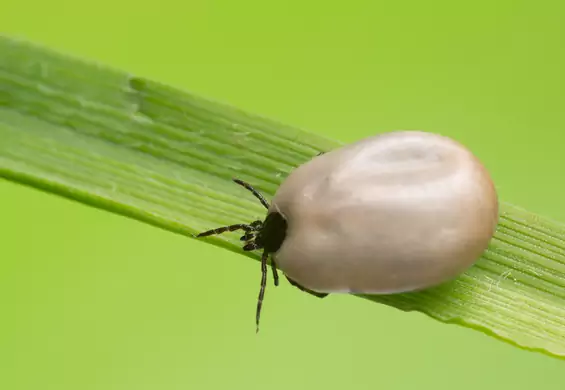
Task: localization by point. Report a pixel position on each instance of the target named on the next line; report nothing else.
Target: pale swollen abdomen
(396, 212)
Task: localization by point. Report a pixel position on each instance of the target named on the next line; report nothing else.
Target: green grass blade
(165, 157)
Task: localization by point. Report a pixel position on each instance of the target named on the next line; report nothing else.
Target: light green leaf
(165, 157)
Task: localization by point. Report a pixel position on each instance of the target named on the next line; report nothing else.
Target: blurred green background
(90, 300)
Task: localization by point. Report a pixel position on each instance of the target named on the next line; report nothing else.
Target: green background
(90, 300)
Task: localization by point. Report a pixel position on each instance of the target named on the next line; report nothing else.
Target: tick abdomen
(397, 212)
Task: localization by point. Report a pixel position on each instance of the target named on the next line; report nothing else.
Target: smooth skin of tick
(396, 212)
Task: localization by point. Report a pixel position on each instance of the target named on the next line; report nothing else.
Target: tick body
(396, 212)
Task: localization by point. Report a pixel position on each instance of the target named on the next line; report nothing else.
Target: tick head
(273, 232)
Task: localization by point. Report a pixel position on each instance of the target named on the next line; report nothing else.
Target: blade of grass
(165, 157)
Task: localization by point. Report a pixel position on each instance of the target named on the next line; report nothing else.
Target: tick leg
(274, 269)
(253, 191)
(314, 293)
(250, 246)
(223, 229)
(262, 290)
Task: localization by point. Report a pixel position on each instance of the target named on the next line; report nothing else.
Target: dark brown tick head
(273, 232)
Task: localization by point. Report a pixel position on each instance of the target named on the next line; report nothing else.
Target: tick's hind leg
(314, 293)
